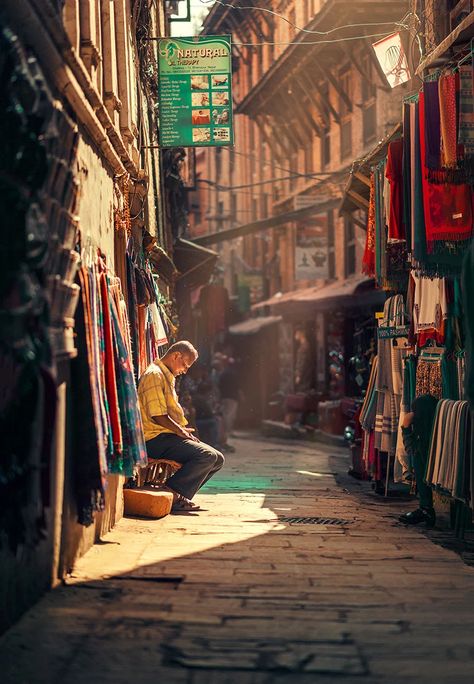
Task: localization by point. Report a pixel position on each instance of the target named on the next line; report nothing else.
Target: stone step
(146, 504)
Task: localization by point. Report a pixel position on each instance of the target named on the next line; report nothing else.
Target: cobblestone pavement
(235, 594)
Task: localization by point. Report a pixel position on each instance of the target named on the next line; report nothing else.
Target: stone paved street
(236, 595)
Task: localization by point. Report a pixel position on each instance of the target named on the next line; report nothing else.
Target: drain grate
(302, 520)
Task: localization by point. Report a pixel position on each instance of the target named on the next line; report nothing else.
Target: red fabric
(393, 172)
(109, 367)
(448, 207)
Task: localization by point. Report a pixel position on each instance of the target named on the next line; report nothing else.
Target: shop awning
(253, 325)
(263, 224)
(194, 262)
(356, 292)
(356, 193)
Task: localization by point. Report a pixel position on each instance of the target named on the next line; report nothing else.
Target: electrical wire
(316, 42)
(218, 186)
(298, 28)
(249, 155)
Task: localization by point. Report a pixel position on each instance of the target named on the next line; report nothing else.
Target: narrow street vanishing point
(290, 574)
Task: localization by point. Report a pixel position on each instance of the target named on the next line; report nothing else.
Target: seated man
(165, 426)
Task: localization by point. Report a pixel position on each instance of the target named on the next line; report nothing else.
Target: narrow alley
(237, 594)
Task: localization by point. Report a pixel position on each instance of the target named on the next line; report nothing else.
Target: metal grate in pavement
(304, 520)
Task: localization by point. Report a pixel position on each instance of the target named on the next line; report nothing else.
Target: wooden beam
(272, 143)
(316, 100)
(283, 139)
(358, 199)
(316, 86)
(363, 179)
(258, 29)
(358, 222)
(335, 84)
(306, 115)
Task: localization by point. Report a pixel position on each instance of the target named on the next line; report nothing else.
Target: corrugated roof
(253, 325)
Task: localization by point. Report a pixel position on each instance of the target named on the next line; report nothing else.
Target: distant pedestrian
(416, 432)
(230, 393)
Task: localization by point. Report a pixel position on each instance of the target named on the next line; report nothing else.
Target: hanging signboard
(195, 92)
(311, 249)
(392, 58)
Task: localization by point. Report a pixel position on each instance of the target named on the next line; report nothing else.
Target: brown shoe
(180, 502)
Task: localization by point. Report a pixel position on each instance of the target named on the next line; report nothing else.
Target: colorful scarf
(134, 450)
(448, 119)
(466, 111)
(368, 260)
(393, 172)
(432, 125)
(447, 207)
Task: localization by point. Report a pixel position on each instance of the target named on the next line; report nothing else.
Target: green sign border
(178, 98)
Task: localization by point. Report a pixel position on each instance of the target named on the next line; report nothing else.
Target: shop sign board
(195, 91)
(311, 249)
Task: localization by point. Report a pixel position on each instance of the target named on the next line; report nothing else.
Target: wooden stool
(157, 472)
(144, 497)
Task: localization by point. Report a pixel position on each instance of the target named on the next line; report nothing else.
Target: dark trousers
(425, 493)
(199, 461)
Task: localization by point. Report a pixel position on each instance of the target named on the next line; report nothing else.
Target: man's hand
(187, 433)
(407, 419)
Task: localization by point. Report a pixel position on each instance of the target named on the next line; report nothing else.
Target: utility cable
(304, 30)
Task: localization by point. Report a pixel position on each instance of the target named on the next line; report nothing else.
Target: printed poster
(195, 91)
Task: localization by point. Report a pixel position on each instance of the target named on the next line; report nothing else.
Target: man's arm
(167, 422)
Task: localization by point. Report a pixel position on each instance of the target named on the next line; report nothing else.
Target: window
(345, 113)
(325, 148)
(349, 246)
(308, 157)
(368, 89)
(331, 242)
(264, 204)
(233, 208)
(325, 134)
(254, 208)
(293, 168)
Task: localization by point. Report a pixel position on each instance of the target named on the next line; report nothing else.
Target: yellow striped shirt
(157, 397)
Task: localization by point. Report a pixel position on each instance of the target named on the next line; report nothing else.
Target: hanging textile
(432, 128)
(448, 119)
(430, 308)
(107, 360)
(133, 451)
(368, 259)
(449, 467)
(466, 116)
(428, 377)
(393, 172)
(88, 438)
(447, 206)
(388, 403)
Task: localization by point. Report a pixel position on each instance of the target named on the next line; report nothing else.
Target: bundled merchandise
(150, 326)
(449, 466)
(419, 230)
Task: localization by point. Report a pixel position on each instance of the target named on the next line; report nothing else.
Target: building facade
(83, 178)
(309, 97)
